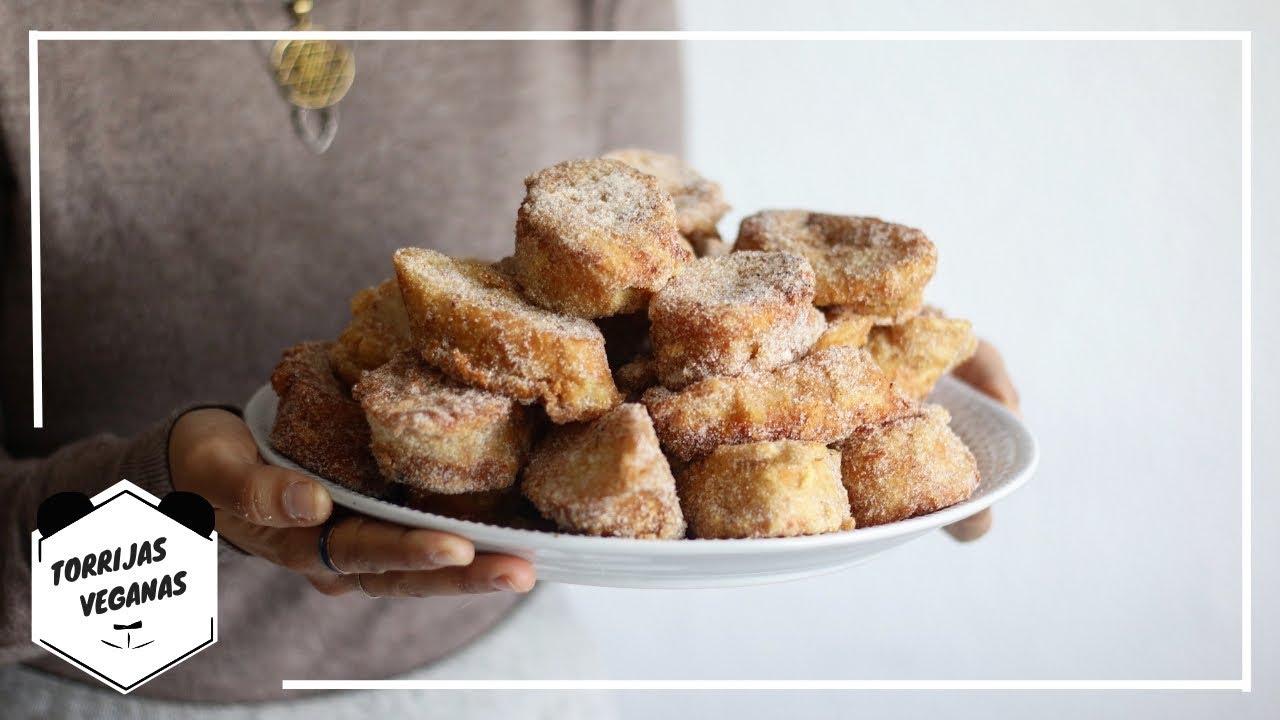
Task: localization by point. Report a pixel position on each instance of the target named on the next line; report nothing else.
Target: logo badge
(124, 586)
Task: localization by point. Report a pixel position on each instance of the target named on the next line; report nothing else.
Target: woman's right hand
(277, 514)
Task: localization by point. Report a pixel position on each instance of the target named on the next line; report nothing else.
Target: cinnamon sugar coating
(470, 321)
(906, 467)
(635, 377)
(918, 351)
(711, 246)
(318, 425)
(821, 398)
(493, 507)
(765, 489)
(878, 268)
(379, 329)
(432, 434)
(740, 313)
(699, 202)
(606, 477)
(845, 328)
(595, 238)
(770, 387)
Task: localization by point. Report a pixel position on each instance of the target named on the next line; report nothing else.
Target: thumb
(986, 372)
(271, 496)
(213, 454)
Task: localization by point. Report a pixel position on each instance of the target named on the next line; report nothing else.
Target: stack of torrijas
(627, 373)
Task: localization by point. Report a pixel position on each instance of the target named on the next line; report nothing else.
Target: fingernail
(302, 501)
(503, 583)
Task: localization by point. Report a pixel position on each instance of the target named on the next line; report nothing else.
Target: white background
(1085, 200)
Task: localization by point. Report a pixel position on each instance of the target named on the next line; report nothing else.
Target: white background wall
(1085, 200)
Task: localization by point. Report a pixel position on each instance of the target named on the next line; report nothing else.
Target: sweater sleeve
(88, 465)
(637, 84)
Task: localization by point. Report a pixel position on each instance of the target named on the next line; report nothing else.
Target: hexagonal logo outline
(107, 560)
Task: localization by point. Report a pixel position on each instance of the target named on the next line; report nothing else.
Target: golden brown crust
(495, 507)
(606, 477)
(506, 266)
(821, 398)
(710, 246)
(505, 508)
(915, 353)
(740, 369)
(595, 238)
(765, 489)
(636, 376)
(906, 467)
(688, 247)
(470, 321)
(876, 267)
(379, 330)
(741, 313)
(845, 328)
(699, 202)
(431, 433)
(318, 425)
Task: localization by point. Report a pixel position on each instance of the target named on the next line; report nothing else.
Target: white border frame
(1245, 38)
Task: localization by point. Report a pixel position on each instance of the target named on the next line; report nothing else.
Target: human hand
(986, 372)
(277, 514)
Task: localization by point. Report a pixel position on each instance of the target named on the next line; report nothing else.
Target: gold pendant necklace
(314, 76)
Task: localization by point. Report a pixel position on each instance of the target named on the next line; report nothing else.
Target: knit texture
(188, 237)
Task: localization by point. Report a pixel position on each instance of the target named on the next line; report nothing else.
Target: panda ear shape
(60, 510)
(189, 509)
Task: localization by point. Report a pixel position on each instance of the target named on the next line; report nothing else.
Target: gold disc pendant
(313, 74)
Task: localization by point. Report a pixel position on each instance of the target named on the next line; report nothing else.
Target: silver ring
(360, 584)
(325, 557)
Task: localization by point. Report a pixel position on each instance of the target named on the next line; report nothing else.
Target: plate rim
(262, 403)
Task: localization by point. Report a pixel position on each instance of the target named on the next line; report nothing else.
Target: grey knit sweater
(189, 236)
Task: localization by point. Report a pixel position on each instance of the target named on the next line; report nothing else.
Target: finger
(266, 494)
(362, 545)
(488, 573)
(297, 549)
(972, 527)
(356, 545)
(986, 372)
(214, 455)
(210, 428)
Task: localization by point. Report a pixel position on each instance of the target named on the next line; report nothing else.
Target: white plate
(1005, 450)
